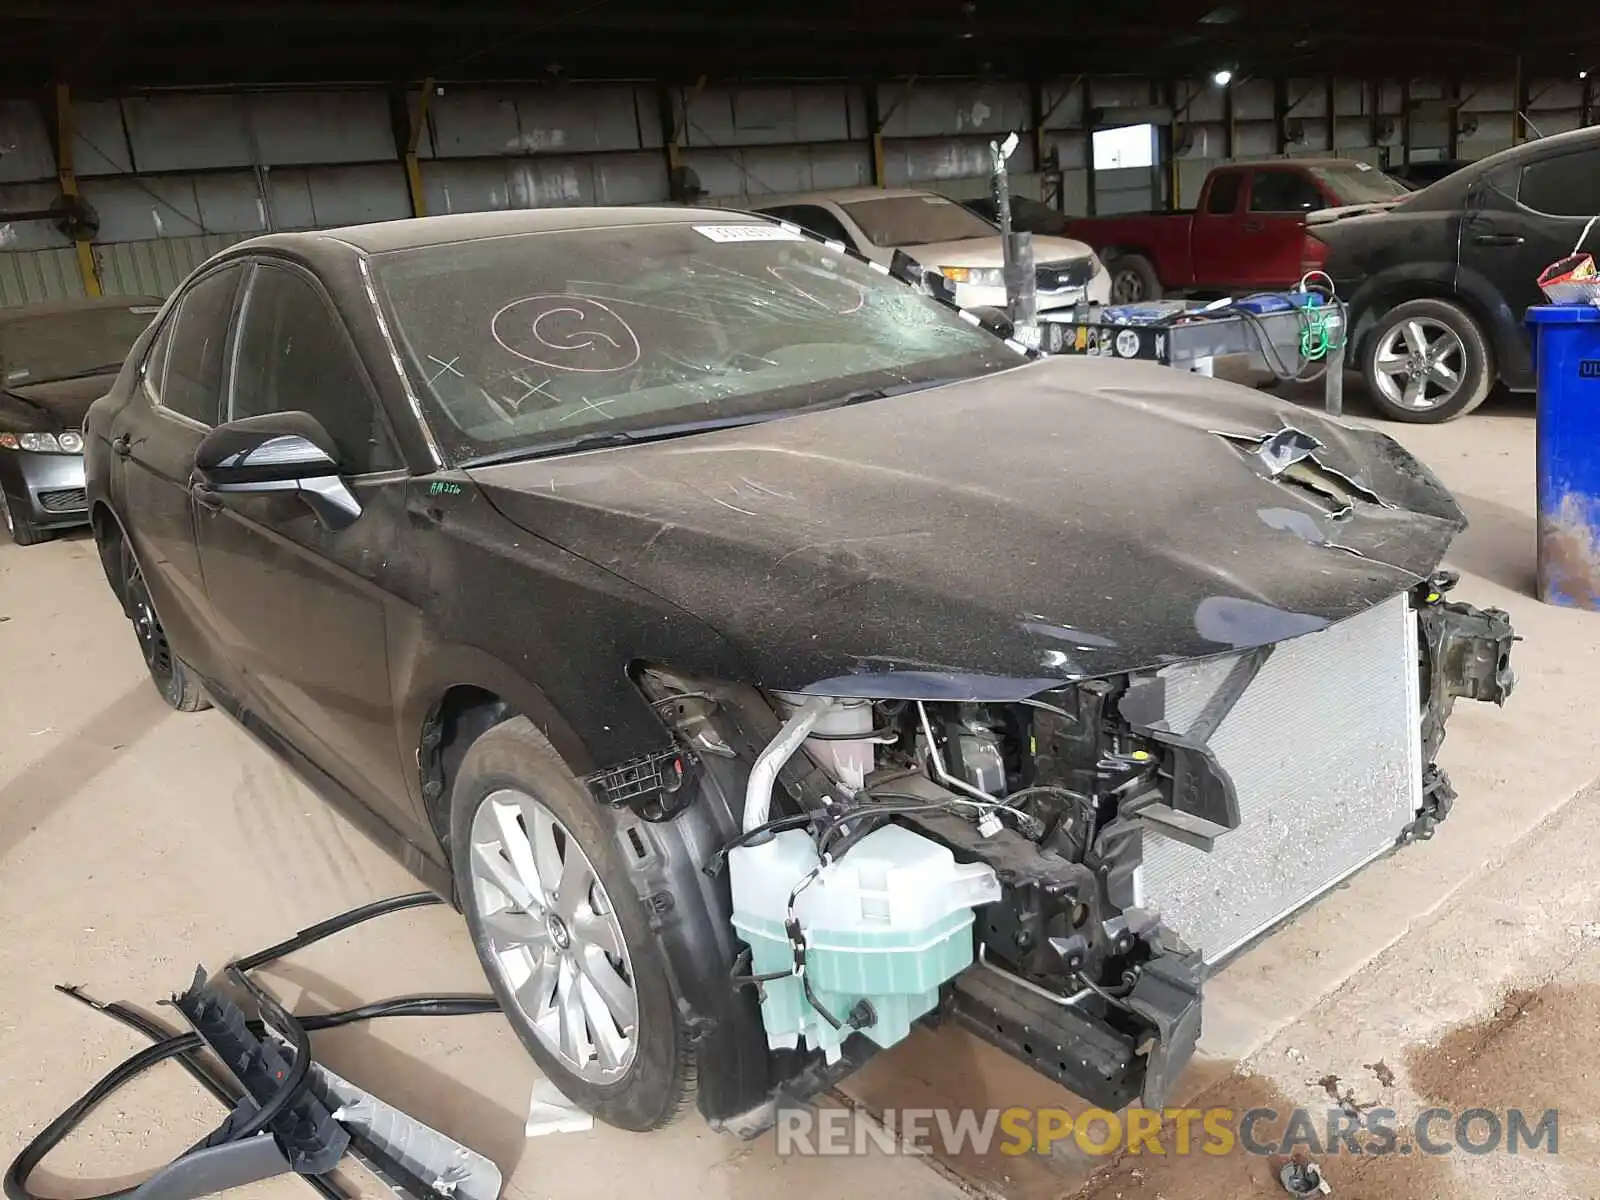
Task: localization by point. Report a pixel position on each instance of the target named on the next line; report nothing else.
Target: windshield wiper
(862, 395)
(599, 439)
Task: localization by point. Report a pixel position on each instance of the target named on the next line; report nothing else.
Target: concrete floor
(136, 842)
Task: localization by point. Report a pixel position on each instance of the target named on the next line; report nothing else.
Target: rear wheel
(171, 675)
(22, 533)
(561, 931)
(1133, 279)
(1427, 361)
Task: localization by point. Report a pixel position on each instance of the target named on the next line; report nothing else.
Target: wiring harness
(188, 1049)
(1317, 339)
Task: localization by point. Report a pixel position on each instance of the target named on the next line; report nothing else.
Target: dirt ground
(136, 843)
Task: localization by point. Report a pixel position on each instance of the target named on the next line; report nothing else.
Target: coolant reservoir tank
(841, 742)
(886, 923)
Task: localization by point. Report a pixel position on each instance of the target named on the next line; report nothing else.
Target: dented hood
(1064, 519)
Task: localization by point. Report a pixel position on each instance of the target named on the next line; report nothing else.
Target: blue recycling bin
(1567, 355)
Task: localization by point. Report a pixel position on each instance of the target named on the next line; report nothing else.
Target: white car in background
(940, 234)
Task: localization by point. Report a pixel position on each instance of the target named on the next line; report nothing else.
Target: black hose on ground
(186, 1047)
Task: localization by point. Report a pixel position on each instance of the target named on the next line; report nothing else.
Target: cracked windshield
(540, 341)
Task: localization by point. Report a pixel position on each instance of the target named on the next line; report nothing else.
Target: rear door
(1215, 229)
(1518, 222)
(302, 608)
(1272, 233)
(154, 438)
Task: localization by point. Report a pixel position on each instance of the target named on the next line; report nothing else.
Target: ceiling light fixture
(1223, 77)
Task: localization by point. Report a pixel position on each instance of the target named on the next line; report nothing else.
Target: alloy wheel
(553, 935)
(1127, 287)
(1420, 364)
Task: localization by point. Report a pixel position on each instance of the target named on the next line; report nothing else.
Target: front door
(298, 605)
(154, 438)
(1273, 232)
(1215, 230)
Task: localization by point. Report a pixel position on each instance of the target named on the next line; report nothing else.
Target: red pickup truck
(1247, 234)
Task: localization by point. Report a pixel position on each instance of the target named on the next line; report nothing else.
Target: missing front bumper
(1395, 670)
(1112, 1053)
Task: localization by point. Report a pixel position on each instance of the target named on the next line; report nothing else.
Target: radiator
(1324, 747)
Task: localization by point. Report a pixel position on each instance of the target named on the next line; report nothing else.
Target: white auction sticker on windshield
(749, 233)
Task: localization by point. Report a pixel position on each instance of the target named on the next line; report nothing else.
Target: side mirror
(286, 453)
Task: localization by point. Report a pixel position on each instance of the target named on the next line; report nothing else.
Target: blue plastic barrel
(1567, 353)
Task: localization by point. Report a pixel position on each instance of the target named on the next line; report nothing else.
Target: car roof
(1448, 192)
(63, 308)
(1537, 148)
(415, 232)
(1298, 162)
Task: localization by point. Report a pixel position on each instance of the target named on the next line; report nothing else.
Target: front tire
(22, 533)
(562, 934)
(1133, 279)
(1426, 362)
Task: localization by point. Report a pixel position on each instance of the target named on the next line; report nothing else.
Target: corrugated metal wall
(175, 177)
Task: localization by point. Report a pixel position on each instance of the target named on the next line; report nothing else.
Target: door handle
(1499, 239)
(121, 445)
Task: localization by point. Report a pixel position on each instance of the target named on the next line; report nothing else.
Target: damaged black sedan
(766, 658)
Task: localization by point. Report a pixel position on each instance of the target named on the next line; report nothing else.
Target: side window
(1283, 192)
(1499, 184)
(1565, 186)
(155, 358)
(294, 356)
(191, 382)
(1223, 198)
(820, 222)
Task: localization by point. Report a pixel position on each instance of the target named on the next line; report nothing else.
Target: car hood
(988, 252)
(55, 404)
(1064, 519)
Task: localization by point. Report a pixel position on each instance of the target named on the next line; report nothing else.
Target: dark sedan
(750, 645)
(1438, 285)
(55, 360)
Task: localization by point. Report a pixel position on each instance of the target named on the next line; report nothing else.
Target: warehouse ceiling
(142, 43)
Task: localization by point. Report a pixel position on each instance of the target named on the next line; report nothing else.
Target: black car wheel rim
(147, 627)
(1127, 287)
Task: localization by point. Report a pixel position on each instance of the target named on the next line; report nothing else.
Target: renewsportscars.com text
(803, 1130)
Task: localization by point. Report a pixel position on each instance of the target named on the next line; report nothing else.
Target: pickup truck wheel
(1133, 280)
(1427, 361)
(563, 936)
